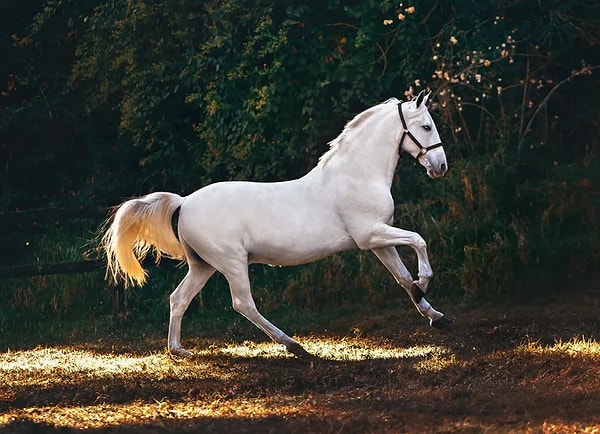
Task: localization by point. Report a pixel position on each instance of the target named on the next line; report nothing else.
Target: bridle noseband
(423, 149)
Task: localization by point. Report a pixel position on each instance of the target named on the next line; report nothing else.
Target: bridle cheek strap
(422, 149)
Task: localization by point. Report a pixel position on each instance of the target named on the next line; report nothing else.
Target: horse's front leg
(390, 236)
(390, 258)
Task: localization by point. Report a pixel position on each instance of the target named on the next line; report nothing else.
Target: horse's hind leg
(390, 258)
(198, 274)
(242, 300)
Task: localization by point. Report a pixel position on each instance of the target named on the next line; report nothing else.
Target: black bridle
(423, 149)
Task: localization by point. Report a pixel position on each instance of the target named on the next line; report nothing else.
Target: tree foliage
(110, 99)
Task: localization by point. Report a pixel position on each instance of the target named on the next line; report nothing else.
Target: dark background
(102, 101)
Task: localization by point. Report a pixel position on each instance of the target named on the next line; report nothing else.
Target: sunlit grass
(569, 428)
(41, 369)
(72, 360)
(44, 366)
(342, 349)
(438, 361)
(69, 360)
(104, 415)
(97, 387)
(575, 347)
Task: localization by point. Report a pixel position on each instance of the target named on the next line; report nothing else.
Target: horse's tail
(138, 226)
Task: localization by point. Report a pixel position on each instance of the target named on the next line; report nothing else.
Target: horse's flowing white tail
(138, 226)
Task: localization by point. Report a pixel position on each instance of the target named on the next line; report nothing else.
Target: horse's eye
(427, 127)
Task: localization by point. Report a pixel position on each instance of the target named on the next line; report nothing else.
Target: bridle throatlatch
(423, 149)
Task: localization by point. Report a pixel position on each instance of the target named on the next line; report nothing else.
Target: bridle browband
(423, 149)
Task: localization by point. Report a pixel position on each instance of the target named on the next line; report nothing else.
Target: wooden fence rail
(59, 212)
(74, 267)
(8, 271)
(66, 213)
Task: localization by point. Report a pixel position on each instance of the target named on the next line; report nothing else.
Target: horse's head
(420, 137)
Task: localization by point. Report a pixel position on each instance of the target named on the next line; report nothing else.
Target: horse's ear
(421, 98)
(426, 98)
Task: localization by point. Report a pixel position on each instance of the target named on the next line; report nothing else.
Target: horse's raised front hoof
(180, 353)
(297, 350)
(441, 323)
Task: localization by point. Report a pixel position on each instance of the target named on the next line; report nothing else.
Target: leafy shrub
(132, 97)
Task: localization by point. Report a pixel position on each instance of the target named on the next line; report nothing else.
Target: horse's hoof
(180, 353)
(441, 323)
(297, 350)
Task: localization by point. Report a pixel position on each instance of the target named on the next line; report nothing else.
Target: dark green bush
(106, 100)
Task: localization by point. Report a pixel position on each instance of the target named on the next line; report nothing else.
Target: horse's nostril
(443, 167)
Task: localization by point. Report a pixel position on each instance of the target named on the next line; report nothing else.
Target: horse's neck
(371, 155)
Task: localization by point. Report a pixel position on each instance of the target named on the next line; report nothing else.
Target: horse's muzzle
(438, 172)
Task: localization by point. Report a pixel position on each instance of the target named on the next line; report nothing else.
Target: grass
(503, 368)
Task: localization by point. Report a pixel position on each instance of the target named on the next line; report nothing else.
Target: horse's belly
(294, 250)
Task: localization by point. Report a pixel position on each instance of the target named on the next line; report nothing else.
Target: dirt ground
(501, 368)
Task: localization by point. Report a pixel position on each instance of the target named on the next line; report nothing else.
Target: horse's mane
(351, 126)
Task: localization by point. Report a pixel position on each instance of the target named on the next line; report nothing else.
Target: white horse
(343, 203)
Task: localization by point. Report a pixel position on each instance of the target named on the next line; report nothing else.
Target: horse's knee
(424, 279)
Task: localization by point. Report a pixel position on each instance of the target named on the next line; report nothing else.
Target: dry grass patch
(492, 373)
